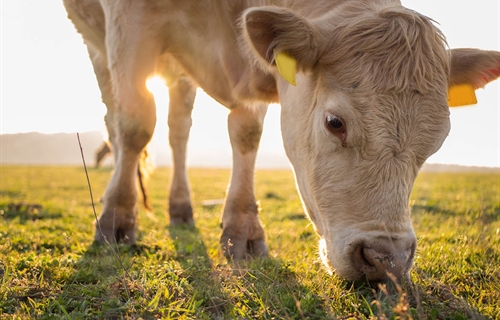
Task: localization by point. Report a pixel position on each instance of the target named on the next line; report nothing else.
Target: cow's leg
(100, 64)
(242, 233)
(181, 93)
(103, 76)
(131, 59)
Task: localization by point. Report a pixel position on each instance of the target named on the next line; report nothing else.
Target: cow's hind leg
(132, 58)
(181, 93)
(242, 234)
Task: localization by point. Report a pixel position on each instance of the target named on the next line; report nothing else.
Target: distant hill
(436, 167)
(48, 149)
(62, 149)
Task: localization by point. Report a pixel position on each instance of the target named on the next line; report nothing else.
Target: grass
(50, 269)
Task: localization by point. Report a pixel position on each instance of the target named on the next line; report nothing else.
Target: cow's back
(88, 18)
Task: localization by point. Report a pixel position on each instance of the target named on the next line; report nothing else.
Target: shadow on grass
(123, 281)
(486, 214)
(440, 303)
(295, 216)
(98, 286)
(268, 288)
(192, 255)
(10, 194)
(431, 208)
(26, 212)
(259, 288)
(413, 301)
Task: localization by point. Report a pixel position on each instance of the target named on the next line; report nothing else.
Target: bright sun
(156, 85)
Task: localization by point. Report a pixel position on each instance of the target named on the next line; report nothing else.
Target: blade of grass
(115, 253)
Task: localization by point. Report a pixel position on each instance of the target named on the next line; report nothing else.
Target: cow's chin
(372, 256)
(334, 246)
(335, 264)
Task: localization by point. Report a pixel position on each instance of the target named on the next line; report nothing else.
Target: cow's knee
(118, 218)
(245, 129)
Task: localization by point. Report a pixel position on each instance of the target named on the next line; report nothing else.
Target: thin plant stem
(117, 256)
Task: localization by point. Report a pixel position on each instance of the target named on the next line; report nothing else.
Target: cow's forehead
(396, 49)
(408, 132)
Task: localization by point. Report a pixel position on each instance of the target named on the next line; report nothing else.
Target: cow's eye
(335, 124)
(337, 127)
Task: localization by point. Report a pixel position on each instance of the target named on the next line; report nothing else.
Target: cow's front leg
(133, 130)
(181, 93)
(132, 58)
(242, 234)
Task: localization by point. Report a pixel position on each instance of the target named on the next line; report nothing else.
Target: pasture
(49, 267)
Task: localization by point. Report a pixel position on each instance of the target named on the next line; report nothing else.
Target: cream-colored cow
(368, 108)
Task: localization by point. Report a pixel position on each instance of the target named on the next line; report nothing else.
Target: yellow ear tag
(287, 67)
(461, 95)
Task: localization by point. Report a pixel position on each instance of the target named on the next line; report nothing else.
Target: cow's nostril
(361, 262)
(377, 262)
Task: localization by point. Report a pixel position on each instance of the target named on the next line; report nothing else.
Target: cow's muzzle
(379, 259)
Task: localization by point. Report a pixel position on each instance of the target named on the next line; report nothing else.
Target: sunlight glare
(155, 85)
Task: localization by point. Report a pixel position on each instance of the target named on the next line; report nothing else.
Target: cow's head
(370, 106)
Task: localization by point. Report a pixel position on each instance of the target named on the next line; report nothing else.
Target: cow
(363, 87)
(101, 153)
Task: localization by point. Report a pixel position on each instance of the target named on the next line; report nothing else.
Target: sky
(48, 85)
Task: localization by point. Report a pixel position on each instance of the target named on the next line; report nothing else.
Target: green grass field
(49, 267)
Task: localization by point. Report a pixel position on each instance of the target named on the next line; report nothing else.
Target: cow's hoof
(181, 214)
(105, 235)
(257, 248)
(237, 249)
(116, 227)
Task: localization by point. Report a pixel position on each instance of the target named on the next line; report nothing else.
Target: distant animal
(143, 170)
(364, 104)
(101, 153)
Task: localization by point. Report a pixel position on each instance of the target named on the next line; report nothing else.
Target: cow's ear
(474, 67)
(270, 31)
